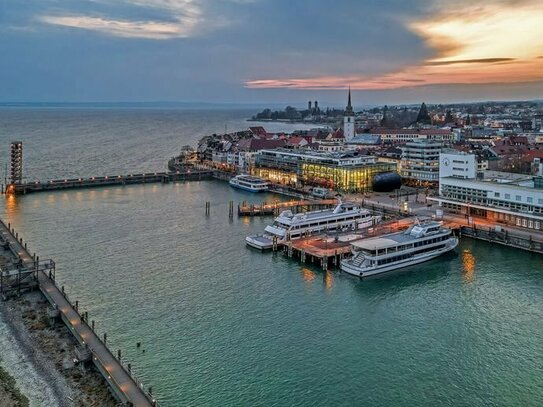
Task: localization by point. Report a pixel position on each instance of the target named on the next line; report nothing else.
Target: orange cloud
(496, 43)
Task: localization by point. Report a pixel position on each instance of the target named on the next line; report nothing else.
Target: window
(530, 199)
(497, 194)
(507, 196)
(518, 198)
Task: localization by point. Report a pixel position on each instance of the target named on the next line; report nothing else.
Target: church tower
(348, 120)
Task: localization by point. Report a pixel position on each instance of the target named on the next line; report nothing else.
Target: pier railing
(503, 237)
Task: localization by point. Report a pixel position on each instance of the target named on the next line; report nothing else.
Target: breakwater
(30, 272)
(131, 179)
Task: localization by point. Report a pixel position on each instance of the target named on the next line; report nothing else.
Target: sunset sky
(388, 51)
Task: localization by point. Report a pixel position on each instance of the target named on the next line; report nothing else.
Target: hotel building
(420, 163)
(341, 171)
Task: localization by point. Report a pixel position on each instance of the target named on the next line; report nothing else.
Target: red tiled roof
(254, 144)
(258, 130)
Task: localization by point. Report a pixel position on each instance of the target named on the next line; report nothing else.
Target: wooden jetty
(111, 180)
(273, 209)
(128, 389)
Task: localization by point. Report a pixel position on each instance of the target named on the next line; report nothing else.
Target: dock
(127, 388)
(273, 209)
(503, 237)
(328, 249)
(109, 180)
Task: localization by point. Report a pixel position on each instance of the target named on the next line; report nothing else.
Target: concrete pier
(75, 183)
(128, 389)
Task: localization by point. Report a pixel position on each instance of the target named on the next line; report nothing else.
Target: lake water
(225, 325)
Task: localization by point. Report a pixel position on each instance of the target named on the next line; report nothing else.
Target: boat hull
(259, 242)
(349, 268)
(249, 189)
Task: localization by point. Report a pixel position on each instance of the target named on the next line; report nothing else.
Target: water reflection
(468, 264)
(13, 209)
(308, 275)
(328, 281)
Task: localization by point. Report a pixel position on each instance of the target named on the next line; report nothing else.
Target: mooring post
(92, 324)
(105, 338)
(119, 355)
(77, 305)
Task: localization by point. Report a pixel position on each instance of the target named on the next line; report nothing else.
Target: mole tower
(348, 120)
(16, 173)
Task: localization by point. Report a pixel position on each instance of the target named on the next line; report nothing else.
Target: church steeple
(348, 120)
(349, 110)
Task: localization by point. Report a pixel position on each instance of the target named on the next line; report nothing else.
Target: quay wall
(504, 238)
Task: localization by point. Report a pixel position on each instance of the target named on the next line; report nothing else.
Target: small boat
(324, 193)
(249, 183)
(423, 241)
(288, 226)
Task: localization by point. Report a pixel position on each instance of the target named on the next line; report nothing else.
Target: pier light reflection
(328, 281)
(11, 203)
(468, 265)
(308, 275)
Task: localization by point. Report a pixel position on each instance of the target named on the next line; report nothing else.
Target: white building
(513, 199)
(457, 165)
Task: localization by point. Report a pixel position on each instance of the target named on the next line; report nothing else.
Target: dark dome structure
(387, 182)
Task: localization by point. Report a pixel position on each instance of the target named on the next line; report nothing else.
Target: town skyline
(260, 51)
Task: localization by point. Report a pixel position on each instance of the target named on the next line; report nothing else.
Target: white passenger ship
(423, 241)
(288, 226)
(249, 183)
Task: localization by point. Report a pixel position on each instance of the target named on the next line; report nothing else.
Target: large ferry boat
(288, 226)
(423, 241)
(249, 183)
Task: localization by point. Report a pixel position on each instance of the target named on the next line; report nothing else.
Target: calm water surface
(224, 325)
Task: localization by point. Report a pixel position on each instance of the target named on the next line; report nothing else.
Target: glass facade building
(345, 172)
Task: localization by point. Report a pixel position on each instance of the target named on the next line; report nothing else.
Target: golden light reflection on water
(468, 264)
(308, 275)
(11, 204)
(328, 281)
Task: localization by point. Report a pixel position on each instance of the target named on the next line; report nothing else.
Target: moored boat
(289, 226)
(249, 183)
(423, 241)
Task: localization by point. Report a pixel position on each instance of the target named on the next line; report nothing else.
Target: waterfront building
(341, 171)
(420, 163)
(508, 198)
(395, 136)
(348, 121)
